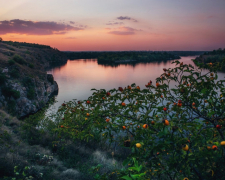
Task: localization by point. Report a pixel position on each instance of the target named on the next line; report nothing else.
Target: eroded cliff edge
(25, 87)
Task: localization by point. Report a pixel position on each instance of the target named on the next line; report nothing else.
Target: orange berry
(157, 84)
(185, 147)
(107, 120)
(179, 104)
(166, 122)
(145, 126)
(222, 143)
(88, 102)
(214, 147)
(138, 145)
(124, 127)
(123, 104)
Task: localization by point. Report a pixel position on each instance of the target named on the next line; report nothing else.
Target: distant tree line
(109, 56)
(213, 57)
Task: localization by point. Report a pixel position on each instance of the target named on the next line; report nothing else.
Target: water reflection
(133, 64)
(76, 78)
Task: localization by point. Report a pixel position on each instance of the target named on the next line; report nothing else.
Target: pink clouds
(126, 18)
(115, 23)
(124, 31)
(35, 28)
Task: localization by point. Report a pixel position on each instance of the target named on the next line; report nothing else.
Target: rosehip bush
(180, 130)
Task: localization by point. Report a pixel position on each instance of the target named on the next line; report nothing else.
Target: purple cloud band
(126, 18)
(35, 28)
(115, 23)
(124, 31)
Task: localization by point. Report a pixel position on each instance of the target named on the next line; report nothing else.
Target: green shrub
(27, 82)
(15, 94)
(19, 59)
(50, 78)
(14, 73)
(11, 62)
(173, 133)
(12, 107)
(10, 48)
(8, 92)
(31, 65)
(2, 78)
(27, 52)
(31, 93)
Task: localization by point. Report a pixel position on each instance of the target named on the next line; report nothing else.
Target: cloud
(35, 28)
(124, 31)
(115, 23)
(72, 22)
(70, 38)
(126, 18)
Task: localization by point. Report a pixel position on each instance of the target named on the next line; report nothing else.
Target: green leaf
(133, 168)
(204, 91)
(125, 162)
(139, 169)
(126, 177)
(134, 176)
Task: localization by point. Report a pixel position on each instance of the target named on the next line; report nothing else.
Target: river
(77, 77)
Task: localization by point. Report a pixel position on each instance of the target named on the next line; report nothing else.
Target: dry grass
(16, 152)
(73, 162)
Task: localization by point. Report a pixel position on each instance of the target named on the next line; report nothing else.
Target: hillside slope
(25, 86)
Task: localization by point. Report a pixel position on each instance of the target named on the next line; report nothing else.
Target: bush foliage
(172, 133)
(19, 59)
(9, 92)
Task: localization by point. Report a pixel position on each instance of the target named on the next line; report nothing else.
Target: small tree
(0, 39)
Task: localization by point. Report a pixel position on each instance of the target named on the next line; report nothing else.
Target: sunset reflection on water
(77, 77)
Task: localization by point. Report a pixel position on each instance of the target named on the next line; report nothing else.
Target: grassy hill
(25, 86)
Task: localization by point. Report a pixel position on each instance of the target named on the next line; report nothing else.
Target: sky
(115, 25)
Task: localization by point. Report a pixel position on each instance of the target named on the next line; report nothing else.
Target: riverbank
(25, 85)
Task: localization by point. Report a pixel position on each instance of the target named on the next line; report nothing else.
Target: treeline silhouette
(18, 44)
(121, 56)
(213, 56)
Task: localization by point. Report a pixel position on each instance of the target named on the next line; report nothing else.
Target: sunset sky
(115, 25)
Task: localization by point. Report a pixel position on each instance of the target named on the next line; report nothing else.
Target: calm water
(76, 78)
